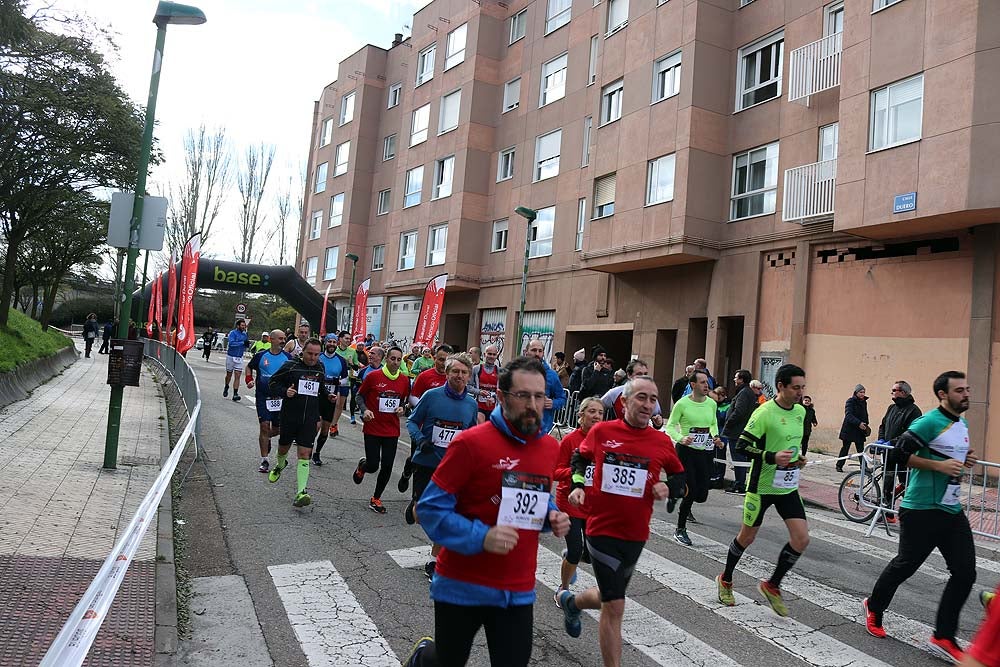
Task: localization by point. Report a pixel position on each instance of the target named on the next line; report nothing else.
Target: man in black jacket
(579, 365)
(300, 386)
(680, 384)
(743, 405)
(896, 421)
(597, 377)
(855, 428)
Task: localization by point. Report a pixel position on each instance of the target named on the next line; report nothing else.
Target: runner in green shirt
(772, 440)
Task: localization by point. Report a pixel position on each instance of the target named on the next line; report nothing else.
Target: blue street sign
(903, 203)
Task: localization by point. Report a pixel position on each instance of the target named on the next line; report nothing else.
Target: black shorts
(326, 409)
(614, 563)
(421, 478)
(302, 434)
(789, 506)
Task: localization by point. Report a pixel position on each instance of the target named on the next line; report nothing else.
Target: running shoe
(316, 460)
(946, 649)
(671, 503)
(890, 518)
(236, 397)
(375, 505)
(571, 618)
(334, 431)
(265, 465)
(555, 597)
(726, 596)
(301, 499)
(572, 580)
(404, 477)
(681, 536)
(873, 621)
(353, 423)
(225, 391)
(275, 473)
(359, 472)
(408, 514)
(773, 597)
(429, 568)
(986, 598)
(422, 644)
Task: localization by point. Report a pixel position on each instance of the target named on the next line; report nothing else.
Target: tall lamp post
(354, 272)
(167, 13)
(528, 214)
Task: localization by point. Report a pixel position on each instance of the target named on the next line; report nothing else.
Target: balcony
(809, 191)
(814, 68)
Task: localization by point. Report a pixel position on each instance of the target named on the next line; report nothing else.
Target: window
(340, 158)
(337, 210)
(444, 174)
(511, 95)
(437, 244)
(829, 136)
(666, 77)
(755, 182)
(505, 165)
(499, 238)
(547, 149)
(617, 15)
(311, 268)
(553, 80)
(326, 136)
(759, 71)
(882, 4)
(378, 258)
(320, 183)
(389, 147)
(833, 18)
(557, 15)
(592, 68)
(581, 219)
(407, 250)
(518, 25)
(454, 52)
(660, 180)
(588, 125)
(611, 102)
(395, 93)
(540, 233)
(330, 267)
(448, 115)
(317, 224)
(604, 195)
(347, 108)
(384, 202)
(414, 184)
(425, 64)
(419, 120)
(897, 113)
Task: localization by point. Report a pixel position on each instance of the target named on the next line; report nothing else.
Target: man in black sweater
(597, 377)
(896, 421)
(744, 403)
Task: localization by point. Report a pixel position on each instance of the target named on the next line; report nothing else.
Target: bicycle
(858, 503)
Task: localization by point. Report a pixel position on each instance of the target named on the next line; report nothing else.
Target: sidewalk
(60, 512)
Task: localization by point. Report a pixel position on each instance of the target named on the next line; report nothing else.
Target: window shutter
(604, 190)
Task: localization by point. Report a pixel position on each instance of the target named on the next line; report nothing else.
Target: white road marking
(332, 628)
(412, 557)
(868, 549)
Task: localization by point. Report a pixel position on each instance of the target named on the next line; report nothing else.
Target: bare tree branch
(251, 181)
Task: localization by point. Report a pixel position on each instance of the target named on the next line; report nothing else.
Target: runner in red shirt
(486, 504)
(985, 648)
(483, 384)
(381, 398)
(428, 379)
(614, 399)
(628, 455)
(591, 412)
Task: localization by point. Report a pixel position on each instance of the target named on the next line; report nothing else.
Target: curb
(165, 632)
(17, 384)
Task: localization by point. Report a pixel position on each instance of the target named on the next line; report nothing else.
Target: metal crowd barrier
(71, 645)
(981, 488)
(565, 417)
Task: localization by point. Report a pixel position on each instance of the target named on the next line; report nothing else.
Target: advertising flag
(322, 318)
(171, 298)
(152, 310)
(185, 304)
(430, 311)
(359, 325)
(158, 299)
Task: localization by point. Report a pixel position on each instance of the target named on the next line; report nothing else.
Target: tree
(284, 208)
(251, 180)
(66, 127)
(195, 203)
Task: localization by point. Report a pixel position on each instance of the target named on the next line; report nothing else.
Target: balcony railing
(809, 191)
(815, 67)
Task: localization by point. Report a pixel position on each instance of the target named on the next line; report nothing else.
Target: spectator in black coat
(744, 403)
(109, 328)
(576, 377)
(680, 384)
(855, 428)
(598, 376)
(896, 421)
(91, 329)
(807, 425)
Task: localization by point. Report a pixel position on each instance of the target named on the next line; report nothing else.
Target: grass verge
(23, 340)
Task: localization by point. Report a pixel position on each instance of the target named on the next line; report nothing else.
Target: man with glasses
(555, 397)
(896, 421)
(486, 504)
(613, 398)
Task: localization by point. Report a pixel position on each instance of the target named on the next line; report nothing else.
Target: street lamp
(167, 13)
(528, 214)
(350, 300)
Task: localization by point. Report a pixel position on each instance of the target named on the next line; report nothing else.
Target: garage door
(401, 323)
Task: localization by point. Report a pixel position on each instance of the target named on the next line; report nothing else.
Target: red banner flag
(152, 310)
(322, 318)
(185, 304)
(430, 311)
(171, 298)
(158, 298)
(359, 323)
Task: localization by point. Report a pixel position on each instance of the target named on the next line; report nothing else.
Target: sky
(255, 68)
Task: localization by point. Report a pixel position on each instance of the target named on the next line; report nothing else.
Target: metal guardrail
(815, 67)
(71, 645)
(809, 191)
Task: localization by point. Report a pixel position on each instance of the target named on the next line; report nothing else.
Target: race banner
(322, 318)
(360, 318)
(158, 299)
(430, 311)
(185, 304)
(152, 310)
(171, 299)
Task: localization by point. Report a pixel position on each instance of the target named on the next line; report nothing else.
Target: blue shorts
(343, 391)
(263, 414)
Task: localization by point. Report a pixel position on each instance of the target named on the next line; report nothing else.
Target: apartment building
(752, 181)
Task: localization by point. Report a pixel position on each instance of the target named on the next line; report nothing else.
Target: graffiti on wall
(493, 329)
(770, 362)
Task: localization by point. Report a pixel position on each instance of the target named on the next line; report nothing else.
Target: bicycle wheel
(856, 503)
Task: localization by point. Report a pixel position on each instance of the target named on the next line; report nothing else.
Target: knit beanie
(859, 387)
(579, 355)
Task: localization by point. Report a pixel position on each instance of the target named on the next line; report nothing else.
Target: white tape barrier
(70, 647)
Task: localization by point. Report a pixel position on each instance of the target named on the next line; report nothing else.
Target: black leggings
(846, 447)
(575, 540)
(380, 454)
(805, 442)
(698, 465)
(508, 635)
(920, 531)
